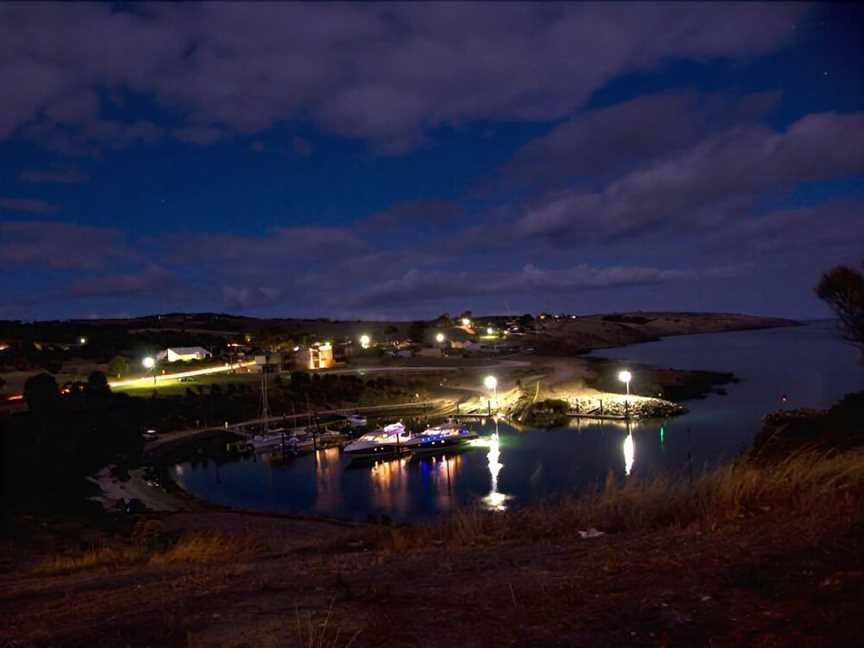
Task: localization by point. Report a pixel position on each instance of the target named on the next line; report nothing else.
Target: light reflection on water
(508, 467)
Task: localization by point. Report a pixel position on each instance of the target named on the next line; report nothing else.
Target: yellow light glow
(148, 362)
(490, 382)
(440, 338)
(625, 376)
(365, 341)
(162, 379)
(466, 321)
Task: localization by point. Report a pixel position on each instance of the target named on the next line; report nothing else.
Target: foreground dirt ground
(765, 581)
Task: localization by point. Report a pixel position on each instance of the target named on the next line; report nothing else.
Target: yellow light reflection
(629, 448)
(495, 501)
(389, 485)
(328, 472)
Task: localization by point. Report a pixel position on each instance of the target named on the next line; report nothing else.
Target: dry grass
(192, 547)
(320, 633)
(95, 557)
(807, 484)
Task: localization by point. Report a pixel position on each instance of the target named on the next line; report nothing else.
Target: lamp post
(625, 377)
(150, 365)
(365, 341)
(491, 383)
(439, 338)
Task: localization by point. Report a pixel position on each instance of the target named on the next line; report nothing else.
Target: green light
(662, 436)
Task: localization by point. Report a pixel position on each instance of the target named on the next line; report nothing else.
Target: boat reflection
(328, 471)
(390, 485)
(440, 473)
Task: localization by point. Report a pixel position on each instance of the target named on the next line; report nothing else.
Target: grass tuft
(807, 484)
(192, 547)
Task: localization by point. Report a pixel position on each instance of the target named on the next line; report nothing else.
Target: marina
(507, 466)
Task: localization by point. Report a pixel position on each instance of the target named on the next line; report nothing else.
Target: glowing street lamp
(150, 364)
(490, 331)
(491, 383)
(625, 377)
(365, 341)
(440, 337)
(466, 321)
(82, 341)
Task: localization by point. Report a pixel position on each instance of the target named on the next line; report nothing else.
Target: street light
(490, 331)
(149, 364)
(466, 321)
(625, 377)
(439, 338)
(82, 341)
(365, 341)
(491, 383)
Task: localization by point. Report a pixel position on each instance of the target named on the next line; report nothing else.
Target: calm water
(808, 364)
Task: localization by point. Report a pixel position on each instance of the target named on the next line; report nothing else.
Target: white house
(184, 354)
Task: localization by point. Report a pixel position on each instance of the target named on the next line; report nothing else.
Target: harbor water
(806, 366)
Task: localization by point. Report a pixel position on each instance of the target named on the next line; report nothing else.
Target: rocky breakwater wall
(556, 412)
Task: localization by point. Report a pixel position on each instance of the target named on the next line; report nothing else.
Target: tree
(444, 321)
(97, 384)
(416, 331)
(842, 288)
(41, 393)
(118, 366)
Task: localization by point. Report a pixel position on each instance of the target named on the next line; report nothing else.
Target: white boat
(273, 439)
(390, 439)
(446, 435)
(357, 420)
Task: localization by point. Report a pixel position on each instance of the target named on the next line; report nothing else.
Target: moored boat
(447, 435)
(389, 440)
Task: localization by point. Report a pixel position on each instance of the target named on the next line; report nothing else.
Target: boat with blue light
(447, 435)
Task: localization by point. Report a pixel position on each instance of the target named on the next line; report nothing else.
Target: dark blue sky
(402, 160)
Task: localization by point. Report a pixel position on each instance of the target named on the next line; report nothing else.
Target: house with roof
(183, 354)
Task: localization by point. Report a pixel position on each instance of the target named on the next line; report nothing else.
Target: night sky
(382, 161)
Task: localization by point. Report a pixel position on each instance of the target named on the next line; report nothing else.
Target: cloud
(709, 183)
(55, 176)
(616, 137)
(152, 280)
(383, 72)
(417, 286)
(59, 245)
(245, 297)
(831, 225)
(32, 205)
(281, 247)
(415, 213)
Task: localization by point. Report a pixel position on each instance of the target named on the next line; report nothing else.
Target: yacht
(390, 439)
(447, 435)
(357, 420)
(273, 439)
